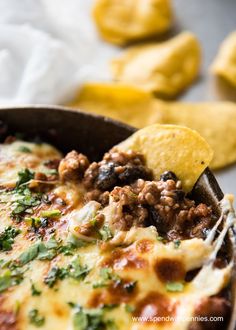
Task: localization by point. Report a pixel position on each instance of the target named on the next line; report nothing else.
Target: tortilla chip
(215, 122)
(224, 64)
(121, 102)
(119, 22)
(171, 148)
(166, 68)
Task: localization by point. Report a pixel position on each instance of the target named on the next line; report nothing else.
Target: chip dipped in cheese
(172, 148)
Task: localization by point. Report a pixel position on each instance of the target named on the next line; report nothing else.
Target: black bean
(133, 172)
(179, 195)
(168, 175)
(107, 178)
(154, 219)
(130, 286)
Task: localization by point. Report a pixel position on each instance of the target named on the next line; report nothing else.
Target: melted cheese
(13, 158)
(133, 255)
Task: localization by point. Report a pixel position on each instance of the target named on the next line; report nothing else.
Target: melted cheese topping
(142, 265)
(19, 155)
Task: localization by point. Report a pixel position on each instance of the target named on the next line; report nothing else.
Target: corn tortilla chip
(120, 22)
(215, 122)
(165, 68)
(171, 148)
(224, 64)
(121, 102)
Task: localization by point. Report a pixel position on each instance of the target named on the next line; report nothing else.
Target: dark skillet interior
(89, 134)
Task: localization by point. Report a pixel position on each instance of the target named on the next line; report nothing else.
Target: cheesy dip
(104, 246)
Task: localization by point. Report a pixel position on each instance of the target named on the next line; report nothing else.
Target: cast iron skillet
(92, 135)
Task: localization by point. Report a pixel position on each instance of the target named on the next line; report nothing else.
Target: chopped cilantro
(129, 308)
(91, 319)
(29, 254)
(174, 287)
(67, 250)
(34, 222)
(36, 319)
(100, 284)
(24, 149)
(24, 199)
(74, 270)
(46, 251)
(105, 233)
(55, 274)
(24, 176)
(78, 243)
(52, 243)
(108, 307)
(110, 325)
(107, 275)
(5, 281)
(24, 202)
(39, 250)
(10, 277)
(177, 243)
(7, 238)
(34, 291)
(50, 213)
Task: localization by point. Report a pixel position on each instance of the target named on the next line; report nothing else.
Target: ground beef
(164, 205)
(174, 215)
(39, 176)
(129, 211)
(73, 166)
(52, 164)
(116, 169)
(124, 177)
(42, 183)
(98, 196)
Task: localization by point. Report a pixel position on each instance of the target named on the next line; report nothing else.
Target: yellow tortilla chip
(215, 122)
(119, 22)
(224, 64)
(165, 68)
(121, 102)
(171, 148)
